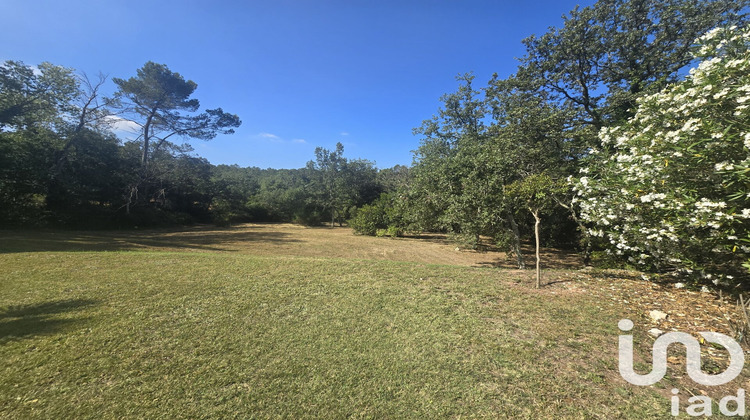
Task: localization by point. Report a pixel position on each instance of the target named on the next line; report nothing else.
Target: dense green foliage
(384, 217)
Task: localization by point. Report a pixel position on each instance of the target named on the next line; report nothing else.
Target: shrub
(367, 220)
(464, 240)
(382, 214)
(390, 231)
(672, 192)
(308, 216)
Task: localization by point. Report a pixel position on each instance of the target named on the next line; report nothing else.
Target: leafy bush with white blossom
(670, 188)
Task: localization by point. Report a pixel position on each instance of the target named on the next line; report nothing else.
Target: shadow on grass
(558, 281)
(617, 274)
(551, 259)
(205, 238)
(39, 319)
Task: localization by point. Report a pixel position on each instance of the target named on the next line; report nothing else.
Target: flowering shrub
(670, 188)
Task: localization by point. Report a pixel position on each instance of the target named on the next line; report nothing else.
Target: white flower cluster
(671, 192)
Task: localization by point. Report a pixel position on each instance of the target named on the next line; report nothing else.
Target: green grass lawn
(209, 335)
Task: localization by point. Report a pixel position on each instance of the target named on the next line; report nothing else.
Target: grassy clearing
(273, 240)
(114, 334)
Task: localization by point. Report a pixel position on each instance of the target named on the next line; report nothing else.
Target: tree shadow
(432, 237)
(617, 274)
(24, 321)
(558, 281)
(199, 238)
(552, 258)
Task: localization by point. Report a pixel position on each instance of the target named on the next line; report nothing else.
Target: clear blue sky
(300, 74)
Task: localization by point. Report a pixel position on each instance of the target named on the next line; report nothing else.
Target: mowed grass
(216, 334)
(277, 239)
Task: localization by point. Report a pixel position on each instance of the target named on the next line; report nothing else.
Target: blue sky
(300, 74)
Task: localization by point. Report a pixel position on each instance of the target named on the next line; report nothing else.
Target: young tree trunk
(516, 241)
(537, 222)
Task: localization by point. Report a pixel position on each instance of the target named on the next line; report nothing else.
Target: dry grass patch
(277, 239)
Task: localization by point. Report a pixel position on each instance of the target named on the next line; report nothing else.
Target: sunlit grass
(210, 335)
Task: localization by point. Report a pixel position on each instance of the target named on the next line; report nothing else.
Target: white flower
(647, 198)
(691, 124)
(723, 166)
(709, 35)
(722, 93)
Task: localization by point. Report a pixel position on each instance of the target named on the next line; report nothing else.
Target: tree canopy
(154, 99)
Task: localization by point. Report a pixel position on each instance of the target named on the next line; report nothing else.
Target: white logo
(692, 346)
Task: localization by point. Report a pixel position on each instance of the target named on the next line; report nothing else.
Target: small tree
(537, 192)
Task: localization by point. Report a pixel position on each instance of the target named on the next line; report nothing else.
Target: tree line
(61, 164)
(568, 151)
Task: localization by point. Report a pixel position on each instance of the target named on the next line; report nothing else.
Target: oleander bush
(670, 188)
